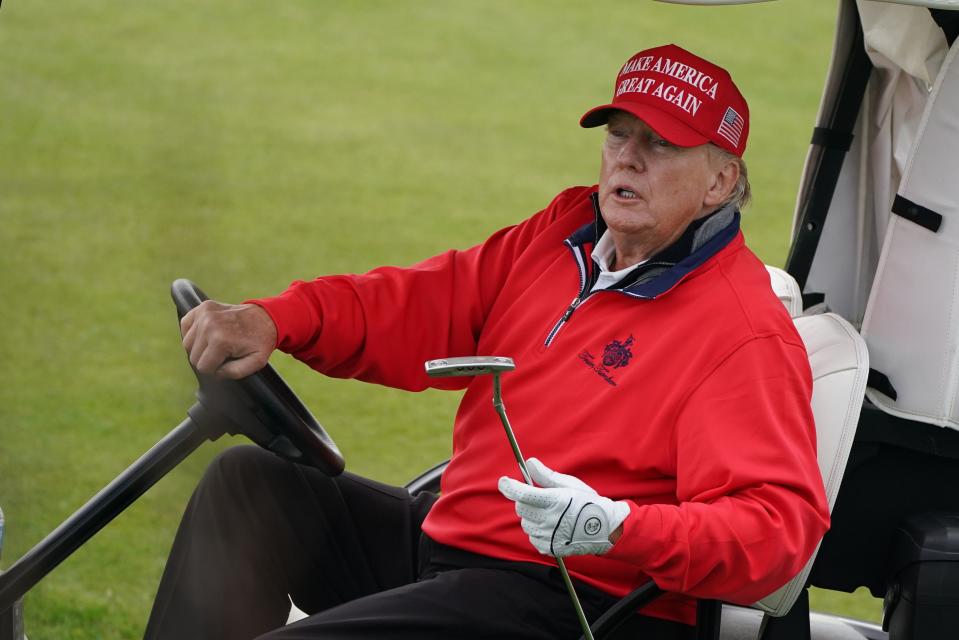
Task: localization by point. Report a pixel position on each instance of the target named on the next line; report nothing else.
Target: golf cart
(880, 127)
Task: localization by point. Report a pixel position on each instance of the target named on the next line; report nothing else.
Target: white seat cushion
(840, 366)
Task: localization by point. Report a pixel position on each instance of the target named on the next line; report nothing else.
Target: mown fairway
(246, 144)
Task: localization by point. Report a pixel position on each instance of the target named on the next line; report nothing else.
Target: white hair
(742, 192)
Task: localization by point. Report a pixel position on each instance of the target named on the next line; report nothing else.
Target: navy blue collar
(667, 268)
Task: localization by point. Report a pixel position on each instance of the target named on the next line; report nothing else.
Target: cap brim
(659, 121)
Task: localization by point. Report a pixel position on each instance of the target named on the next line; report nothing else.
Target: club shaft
(521, 460)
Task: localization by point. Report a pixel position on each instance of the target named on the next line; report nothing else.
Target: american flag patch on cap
(731, 127)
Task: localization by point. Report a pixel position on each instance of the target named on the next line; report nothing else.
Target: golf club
(495, 365)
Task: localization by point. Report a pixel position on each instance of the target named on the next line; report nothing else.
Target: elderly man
(657, 374)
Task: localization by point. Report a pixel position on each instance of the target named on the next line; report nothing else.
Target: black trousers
(349, 551)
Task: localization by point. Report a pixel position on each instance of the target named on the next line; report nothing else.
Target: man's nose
(632, 154)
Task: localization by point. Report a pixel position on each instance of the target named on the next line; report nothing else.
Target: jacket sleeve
(383, 325)
(752, 507)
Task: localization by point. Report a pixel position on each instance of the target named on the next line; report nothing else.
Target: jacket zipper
(565, 317)
(585, 285)
(581, 298)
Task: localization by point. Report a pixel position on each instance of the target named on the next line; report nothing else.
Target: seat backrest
(840, 366)
(786, 289)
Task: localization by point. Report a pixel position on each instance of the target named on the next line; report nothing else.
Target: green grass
(246, 144)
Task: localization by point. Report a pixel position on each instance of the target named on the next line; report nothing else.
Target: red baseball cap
(685, 99)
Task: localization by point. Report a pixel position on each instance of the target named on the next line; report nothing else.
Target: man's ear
(725, 174)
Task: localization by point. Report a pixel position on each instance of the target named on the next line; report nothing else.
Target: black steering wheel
(261, 406)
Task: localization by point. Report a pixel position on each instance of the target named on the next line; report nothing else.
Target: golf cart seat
(839, 363)
(840, 367)
(786, 289)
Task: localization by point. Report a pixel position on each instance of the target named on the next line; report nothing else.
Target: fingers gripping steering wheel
(261, 406)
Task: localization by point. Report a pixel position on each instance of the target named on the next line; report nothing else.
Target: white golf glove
(563, 516)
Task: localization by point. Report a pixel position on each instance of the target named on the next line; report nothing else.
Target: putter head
(468, 366)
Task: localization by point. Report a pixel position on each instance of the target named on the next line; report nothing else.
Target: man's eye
(661, 142)
(616, 133)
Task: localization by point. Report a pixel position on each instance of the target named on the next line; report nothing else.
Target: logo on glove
(592, 526)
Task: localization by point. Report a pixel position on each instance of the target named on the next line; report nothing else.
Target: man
(656, 373)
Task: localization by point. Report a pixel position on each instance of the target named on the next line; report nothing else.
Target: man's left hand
(563, 516)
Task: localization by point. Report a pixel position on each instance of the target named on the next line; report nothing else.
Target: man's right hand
(228, 340)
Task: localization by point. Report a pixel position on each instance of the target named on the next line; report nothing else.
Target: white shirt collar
(604, 253)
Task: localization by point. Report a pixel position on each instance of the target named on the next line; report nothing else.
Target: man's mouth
(628, 194)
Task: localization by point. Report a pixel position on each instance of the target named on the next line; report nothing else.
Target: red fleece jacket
(692, 406)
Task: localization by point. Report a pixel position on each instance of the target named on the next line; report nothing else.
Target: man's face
(650, 190)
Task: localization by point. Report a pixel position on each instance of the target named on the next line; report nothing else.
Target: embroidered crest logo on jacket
(616, 354)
